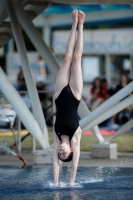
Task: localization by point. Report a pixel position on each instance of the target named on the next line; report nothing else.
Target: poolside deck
(124, 160)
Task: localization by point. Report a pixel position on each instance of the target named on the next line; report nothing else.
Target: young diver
(68, 90)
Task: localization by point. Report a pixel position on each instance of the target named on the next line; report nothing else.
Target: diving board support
(36, 106)
(117, 108)
(108, 104)
(36, 39)
(84, 111)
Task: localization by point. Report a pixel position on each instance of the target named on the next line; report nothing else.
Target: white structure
(44, 157)
(104, 151)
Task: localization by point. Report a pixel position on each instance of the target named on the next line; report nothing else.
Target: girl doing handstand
(68, 90)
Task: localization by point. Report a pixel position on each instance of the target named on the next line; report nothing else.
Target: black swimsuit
(66, 116)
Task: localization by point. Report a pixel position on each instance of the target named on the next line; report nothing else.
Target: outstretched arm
(76, 154)
(56, 159)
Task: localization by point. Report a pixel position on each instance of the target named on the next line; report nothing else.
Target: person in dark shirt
(99, 93)
(125, 115)
(124, 80)
(21, 80)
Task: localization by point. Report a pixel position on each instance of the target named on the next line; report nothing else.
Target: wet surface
(36, 182)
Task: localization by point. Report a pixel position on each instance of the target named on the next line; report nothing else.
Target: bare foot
(75, 17)
(81, 17)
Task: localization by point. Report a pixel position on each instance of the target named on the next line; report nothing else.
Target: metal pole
(47, 34)
(10, 46)
(44, 51)
(33, 140)
(37, 110)
(107, 67)
(107, 105)
(21, 109)
(118, 107)
(131, 69)
(19, 135)
(122, 130)
(33, 144)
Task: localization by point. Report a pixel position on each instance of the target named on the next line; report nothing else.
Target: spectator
(123, 82)
(20, 84)
(21, 80)
(125, 115)
(110, 89)
(99, 93)
(43, 68)
(41, 86)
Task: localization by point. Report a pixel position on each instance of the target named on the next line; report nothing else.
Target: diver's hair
(68, 159)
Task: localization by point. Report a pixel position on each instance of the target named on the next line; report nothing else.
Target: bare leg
(64, 71)
(76, 81)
